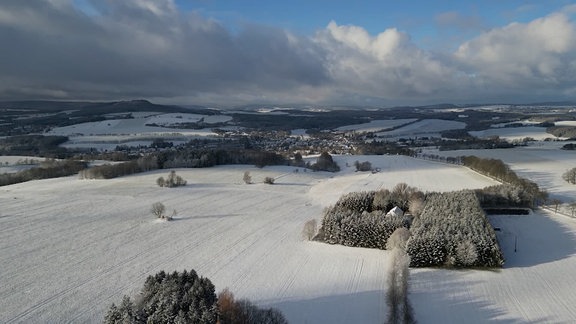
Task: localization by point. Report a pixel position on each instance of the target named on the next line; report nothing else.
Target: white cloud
(536, 56)
(150, 49)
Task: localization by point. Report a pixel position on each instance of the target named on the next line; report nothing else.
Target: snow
(376, 125)
(107, 134)
(515, 133)
(565, 123)
(71, 247)
(425, 127)
(542, 162)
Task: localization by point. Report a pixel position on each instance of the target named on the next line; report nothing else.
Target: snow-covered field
(376, 125)
(107, 134)
(70, 247)
(425, 127)
(515, 133)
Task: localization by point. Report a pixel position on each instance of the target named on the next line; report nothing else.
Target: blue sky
(422, 19)
(229, 53)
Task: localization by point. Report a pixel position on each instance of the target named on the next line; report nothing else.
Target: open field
(70, 247)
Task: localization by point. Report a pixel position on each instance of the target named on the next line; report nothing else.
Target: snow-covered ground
(515, 133)
(542, 162)
(70, 247)
(376, 125)
(425, 127)
(107, 134)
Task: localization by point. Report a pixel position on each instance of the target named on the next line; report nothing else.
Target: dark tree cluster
(169, 298)
(360, 218)
(171, 181)
(34, 145)
(363, 166)
(194, 158)
(325, 163)
(48, 169)
(569, 147)
(185, 297)
(359, 229)
(453, 231)
(109, 171)
(507, 195)
(380, 148)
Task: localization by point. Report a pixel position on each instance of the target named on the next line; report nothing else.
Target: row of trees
(185, 297)
(48, 169)
(531, 195)
(109, 171)
(453, 231)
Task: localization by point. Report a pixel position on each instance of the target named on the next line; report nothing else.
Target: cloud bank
(54, 49)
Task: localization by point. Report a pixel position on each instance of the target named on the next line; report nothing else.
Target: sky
(315, 52)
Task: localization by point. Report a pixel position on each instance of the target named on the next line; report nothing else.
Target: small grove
(446, 229)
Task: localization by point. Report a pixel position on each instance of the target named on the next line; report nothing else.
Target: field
(70, 247)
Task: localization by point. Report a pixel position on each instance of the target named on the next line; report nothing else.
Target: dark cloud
(53, 49)
(146, 49)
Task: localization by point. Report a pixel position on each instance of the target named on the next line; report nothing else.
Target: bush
(364, 166)
(325, 163)
(269, 180)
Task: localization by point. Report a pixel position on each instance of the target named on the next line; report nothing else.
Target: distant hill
(84, 108)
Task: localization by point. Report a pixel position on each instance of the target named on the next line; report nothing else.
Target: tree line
(516, 191)
(47, 169)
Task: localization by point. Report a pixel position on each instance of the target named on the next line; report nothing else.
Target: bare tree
(400, 310)
(573, 208)
(247, 177)
(309, 229)
(158, 209)
(398, 239)
(556, 202)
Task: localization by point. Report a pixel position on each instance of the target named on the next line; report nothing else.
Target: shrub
(363, 166)
(325, 163)
(269, 180)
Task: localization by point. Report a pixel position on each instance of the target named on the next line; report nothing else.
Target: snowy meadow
(71, 247)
